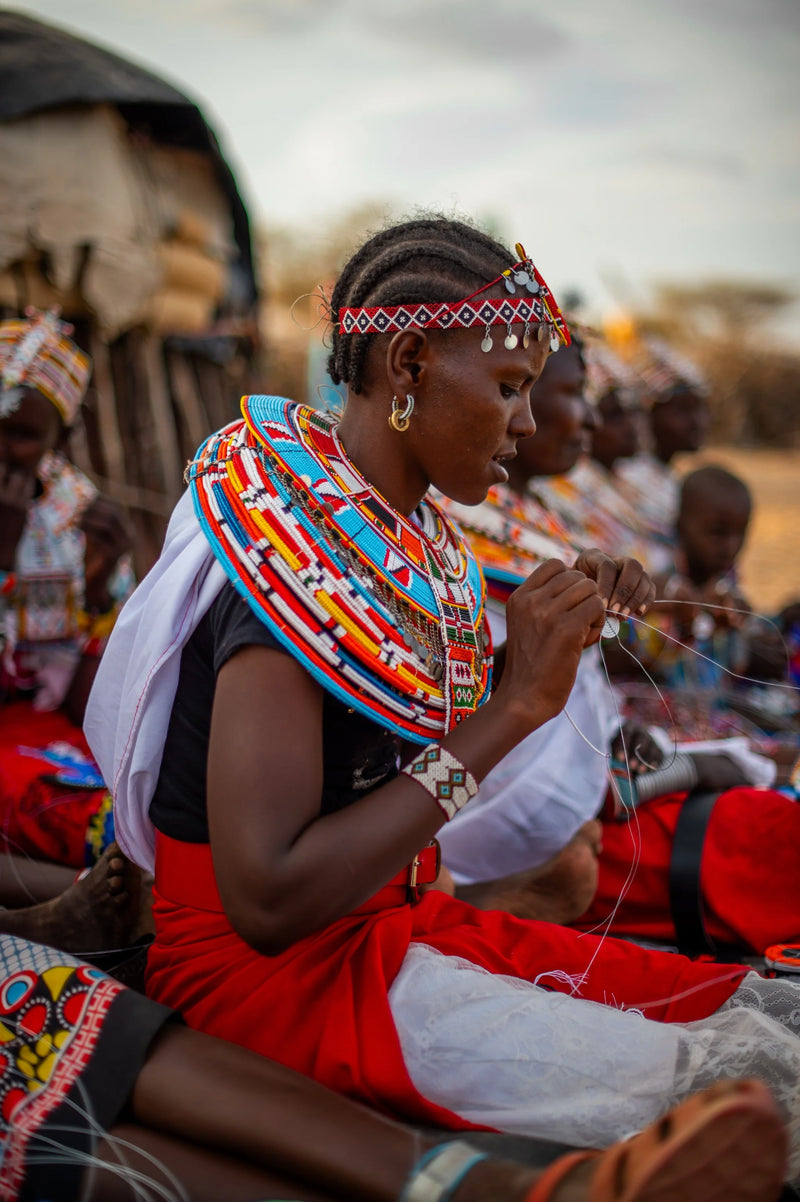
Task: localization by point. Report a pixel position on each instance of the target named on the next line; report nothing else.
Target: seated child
(700, 607)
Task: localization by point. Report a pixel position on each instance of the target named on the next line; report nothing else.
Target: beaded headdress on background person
(606, 372)
(535, 307)
(36, 352)
(663, 372)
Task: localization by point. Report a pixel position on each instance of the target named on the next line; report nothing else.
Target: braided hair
(427, 259)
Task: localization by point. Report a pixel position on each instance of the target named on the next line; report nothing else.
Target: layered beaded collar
(385, 613)
(511, 535)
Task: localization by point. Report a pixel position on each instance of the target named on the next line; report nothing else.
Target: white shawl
(131, 700)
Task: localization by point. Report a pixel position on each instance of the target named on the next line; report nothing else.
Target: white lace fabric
(511, 1055)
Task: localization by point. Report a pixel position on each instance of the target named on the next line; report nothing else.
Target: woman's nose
(522, 423)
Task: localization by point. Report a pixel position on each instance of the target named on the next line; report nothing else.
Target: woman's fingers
(552, 578)
(632, 590)
(623, 583)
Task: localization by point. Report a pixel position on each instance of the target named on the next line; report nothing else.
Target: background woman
(61, 585)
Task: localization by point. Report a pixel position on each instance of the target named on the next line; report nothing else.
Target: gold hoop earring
(399, 419)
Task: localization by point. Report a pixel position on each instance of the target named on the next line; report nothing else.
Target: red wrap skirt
(321, 1007)
(38, 816)
(749, 872)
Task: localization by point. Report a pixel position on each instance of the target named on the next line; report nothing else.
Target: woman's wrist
(518, 716)
(437, 1175)
(443, 776)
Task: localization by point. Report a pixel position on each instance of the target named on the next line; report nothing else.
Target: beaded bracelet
(449, 783)
(437, 1175)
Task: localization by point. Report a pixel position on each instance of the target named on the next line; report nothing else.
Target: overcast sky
(624, 141)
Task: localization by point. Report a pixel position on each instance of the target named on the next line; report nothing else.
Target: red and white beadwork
(389, 319)
(538, 307)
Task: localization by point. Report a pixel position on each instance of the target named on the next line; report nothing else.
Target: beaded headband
(538, 308)
(605, 373)
(664, 372)
(35, 352)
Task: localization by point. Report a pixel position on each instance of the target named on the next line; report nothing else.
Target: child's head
(676, 394)
(713, 516)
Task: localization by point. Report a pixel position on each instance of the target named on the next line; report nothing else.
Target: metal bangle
(680, 774)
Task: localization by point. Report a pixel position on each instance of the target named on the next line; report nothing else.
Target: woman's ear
(407, 359)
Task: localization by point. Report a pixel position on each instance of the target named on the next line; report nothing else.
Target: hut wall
(133, 240)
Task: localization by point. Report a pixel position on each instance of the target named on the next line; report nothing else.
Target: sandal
(724, 1144)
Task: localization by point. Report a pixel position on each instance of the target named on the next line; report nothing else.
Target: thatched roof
(44, 68)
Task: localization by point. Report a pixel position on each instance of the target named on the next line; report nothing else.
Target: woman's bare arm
(283, 871)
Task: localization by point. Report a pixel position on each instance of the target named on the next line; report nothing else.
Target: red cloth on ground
(749, 875)
(321, 1006)
(38, 818)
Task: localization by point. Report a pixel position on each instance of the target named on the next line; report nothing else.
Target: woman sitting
(314, 619)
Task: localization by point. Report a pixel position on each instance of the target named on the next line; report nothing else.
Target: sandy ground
(770, 561)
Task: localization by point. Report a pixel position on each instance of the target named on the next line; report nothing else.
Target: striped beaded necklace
(386, 614)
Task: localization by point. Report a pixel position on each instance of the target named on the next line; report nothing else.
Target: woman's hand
(726, 605)
(623, 584)
(108, 536)
(551, 619)
(685, 601)
(16, 493)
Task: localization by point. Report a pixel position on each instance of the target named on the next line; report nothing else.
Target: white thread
(322, 314)
(661, 696)
(603, 754)
(693, 650)
(633, 819)
(142, 1185)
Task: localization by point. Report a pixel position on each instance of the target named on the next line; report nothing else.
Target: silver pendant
(510, 342)
(487, 344)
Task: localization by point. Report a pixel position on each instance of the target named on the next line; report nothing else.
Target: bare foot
(558, 891)
(97, 913)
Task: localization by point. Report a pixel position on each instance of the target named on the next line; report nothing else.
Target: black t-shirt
(358, 754)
